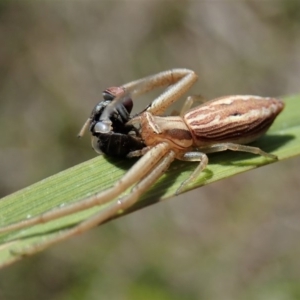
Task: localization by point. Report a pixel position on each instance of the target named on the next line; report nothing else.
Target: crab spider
(227, 123)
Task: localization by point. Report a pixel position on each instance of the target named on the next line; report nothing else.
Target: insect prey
(111, 135)
(226, 123)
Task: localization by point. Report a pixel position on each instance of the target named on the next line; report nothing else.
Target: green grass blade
(283, 139)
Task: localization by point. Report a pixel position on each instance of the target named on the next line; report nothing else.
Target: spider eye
(102, 127)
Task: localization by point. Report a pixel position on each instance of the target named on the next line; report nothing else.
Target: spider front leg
(114, 207)
(179, 81)
(139, 170)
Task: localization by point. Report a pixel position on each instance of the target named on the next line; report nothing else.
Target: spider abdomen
(235, 119)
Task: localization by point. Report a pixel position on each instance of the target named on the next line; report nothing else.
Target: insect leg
(137, 171)
(108, 212)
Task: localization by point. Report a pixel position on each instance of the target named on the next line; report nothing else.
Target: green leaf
(283, 139)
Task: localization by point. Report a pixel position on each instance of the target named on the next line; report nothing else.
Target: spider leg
(189, 103)
(237, 147)
(178, 80)
(138, 153)
(111, 210)
(193, 156)
(137, 171)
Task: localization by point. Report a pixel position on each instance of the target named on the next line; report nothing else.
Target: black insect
(107, 123)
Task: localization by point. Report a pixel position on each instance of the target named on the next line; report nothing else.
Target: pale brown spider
(226, 123)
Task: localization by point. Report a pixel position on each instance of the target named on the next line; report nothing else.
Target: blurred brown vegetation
(235, 239)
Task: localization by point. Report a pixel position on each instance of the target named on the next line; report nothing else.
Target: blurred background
(234, 239)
